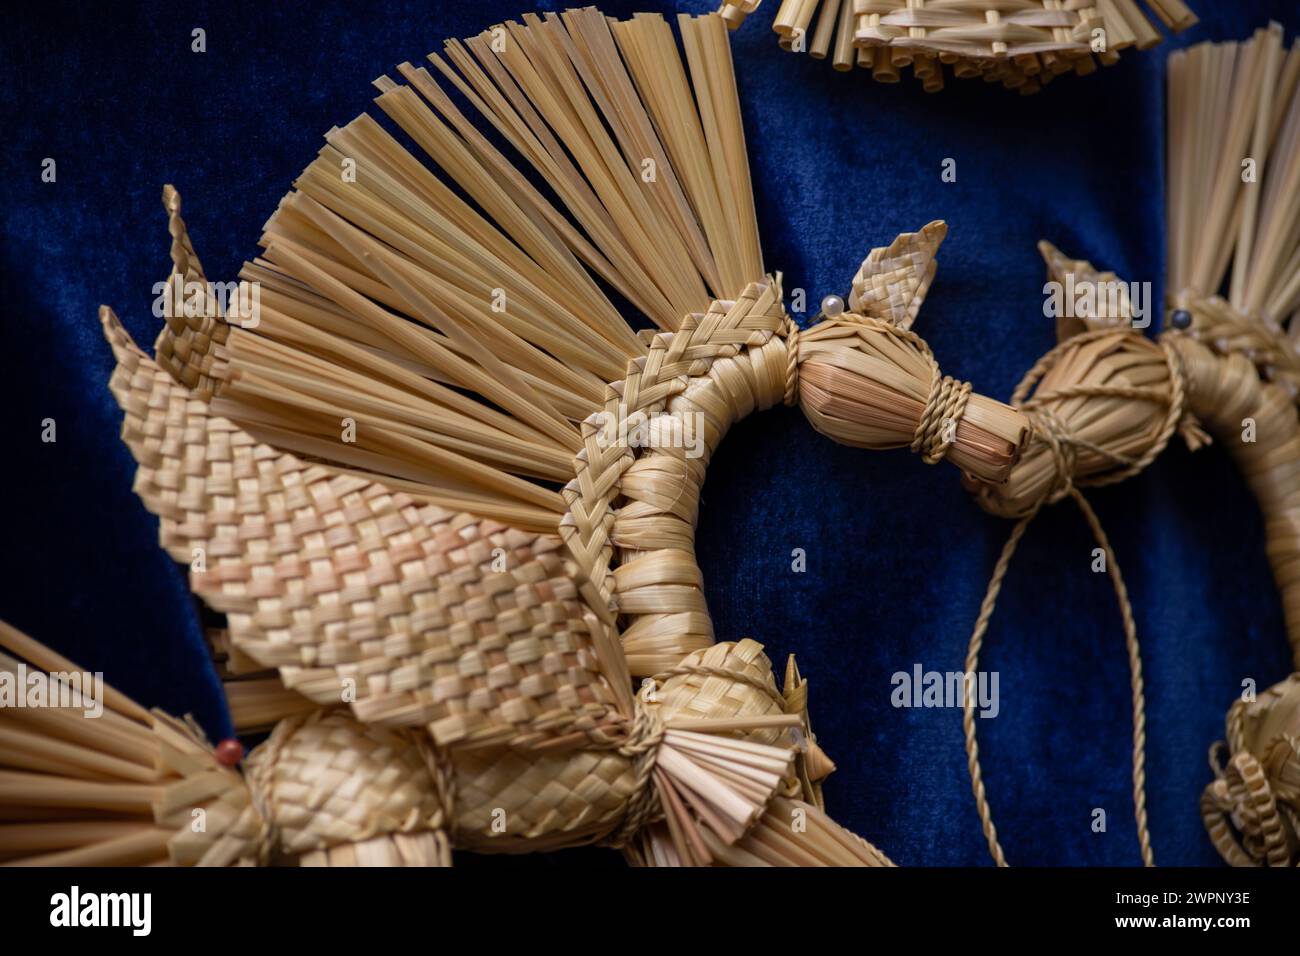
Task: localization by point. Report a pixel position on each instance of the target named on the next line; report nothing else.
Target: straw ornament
(1106, 401)
(446, 498)
(1022, 44)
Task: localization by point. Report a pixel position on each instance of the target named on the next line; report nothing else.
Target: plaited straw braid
(672, 361)
(630, 524)
(791, 333)
(1064, 448)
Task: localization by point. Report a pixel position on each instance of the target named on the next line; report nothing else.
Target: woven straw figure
(1105, 402)
(446, 497)
(1022, 44)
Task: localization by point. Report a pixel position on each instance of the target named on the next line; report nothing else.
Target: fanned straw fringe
(1021, 45)
(385, 298)
(129, 787)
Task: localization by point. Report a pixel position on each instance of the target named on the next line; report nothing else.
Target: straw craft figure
(1022, 44)
(1106, 400)
(443, 491)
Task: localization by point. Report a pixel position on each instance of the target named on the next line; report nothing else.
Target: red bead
(229, 752)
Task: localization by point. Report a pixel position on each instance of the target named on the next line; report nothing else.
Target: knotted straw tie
(944, 408)
(642, 747)
(1064, 449)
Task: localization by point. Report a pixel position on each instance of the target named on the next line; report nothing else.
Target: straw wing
(360, 594)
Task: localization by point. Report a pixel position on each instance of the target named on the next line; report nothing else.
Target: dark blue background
(898, 556)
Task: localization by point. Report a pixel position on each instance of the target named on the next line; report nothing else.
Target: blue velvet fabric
(897, 554)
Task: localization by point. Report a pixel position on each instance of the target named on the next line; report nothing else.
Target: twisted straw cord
(943, 411)
(968, 702)
(1136, 685)
(1063, 448)
(642, 747)
(945, 403)
(791, 332)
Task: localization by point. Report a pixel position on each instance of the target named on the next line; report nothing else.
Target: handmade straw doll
(1106, 401)
(442, 492)
(1022, 45)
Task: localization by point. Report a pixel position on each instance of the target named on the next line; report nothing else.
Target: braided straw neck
(864, 378)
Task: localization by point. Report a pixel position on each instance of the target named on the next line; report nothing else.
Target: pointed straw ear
(1113, 307)
(189, 346)
(892, 282)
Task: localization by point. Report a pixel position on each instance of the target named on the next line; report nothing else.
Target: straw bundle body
(1022, 45)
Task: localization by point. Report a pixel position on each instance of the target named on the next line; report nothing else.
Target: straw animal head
(1213, 321)
(1102, 403)
(866, 379)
